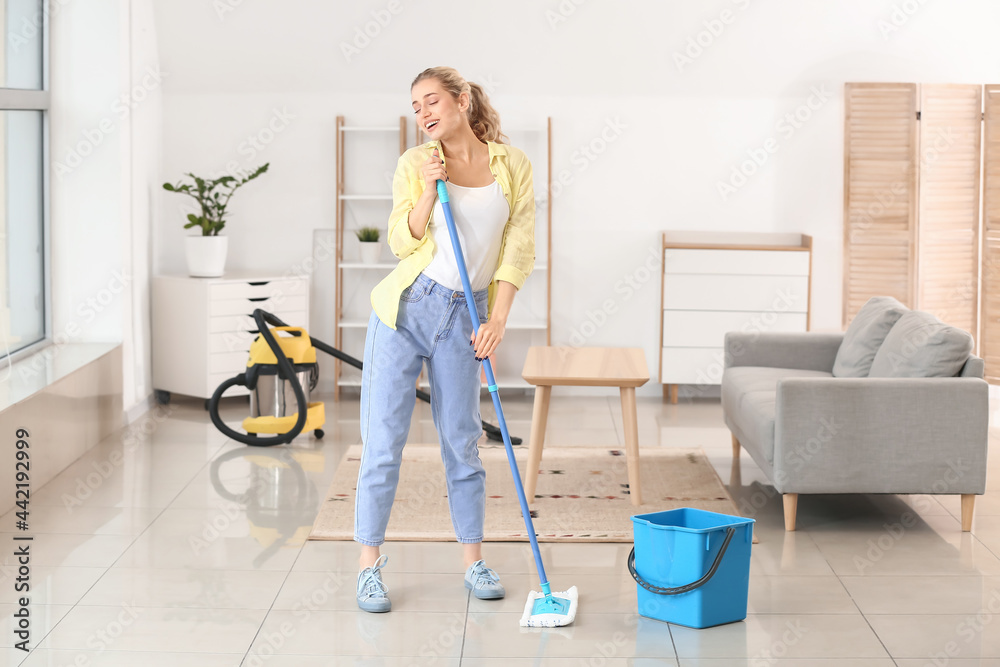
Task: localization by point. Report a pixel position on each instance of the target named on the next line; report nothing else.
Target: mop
(545, 609)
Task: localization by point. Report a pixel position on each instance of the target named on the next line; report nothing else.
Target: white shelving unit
(530, 321)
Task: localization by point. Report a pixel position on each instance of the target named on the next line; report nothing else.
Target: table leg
(631, 423)
(539, 416)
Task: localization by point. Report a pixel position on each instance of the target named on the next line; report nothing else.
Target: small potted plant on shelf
(206, 252)
(370, 247)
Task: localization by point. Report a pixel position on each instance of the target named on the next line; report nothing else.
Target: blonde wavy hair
(483, 118)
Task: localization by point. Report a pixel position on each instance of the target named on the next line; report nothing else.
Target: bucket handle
(659, 590)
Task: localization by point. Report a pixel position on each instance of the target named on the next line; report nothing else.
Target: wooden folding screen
(947, 280)
(880, 193)
(989, 338)
(912, 161)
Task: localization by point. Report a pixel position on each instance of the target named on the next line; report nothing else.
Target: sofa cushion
(748, 399)
(920, 345)
(864, 336)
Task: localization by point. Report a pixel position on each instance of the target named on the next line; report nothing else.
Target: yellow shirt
(512, 170)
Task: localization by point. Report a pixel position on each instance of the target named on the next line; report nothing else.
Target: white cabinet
(203, 327)
(714, 283)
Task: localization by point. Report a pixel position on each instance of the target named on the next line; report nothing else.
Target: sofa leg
(791, 503)
(736, 448)
(968, 504)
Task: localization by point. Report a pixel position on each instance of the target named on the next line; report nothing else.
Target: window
(23, 110)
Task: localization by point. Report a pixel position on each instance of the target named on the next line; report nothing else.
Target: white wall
(104, 151)
(85, 145)
(142, 154)
(590, 65)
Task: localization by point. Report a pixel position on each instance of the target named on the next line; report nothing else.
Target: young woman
(420, 316)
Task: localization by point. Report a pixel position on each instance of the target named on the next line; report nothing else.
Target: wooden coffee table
(622, 367)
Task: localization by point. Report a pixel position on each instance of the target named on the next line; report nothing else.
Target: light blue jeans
(432, 326)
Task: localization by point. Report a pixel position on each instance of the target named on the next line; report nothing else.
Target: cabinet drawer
(230, 363)
(779, 294)
(230, 341)
(697, 328)
(257, 290)
(237, 324)
(231, 324)
(740, 262)
(283, 302)
(692, 365)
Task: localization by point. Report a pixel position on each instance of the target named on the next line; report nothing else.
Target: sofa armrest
(881, 435)
(802, 350)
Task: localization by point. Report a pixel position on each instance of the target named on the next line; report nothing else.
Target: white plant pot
(370, 251)
(206, 255)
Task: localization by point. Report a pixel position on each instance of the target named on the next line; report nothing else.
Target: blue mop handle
(470, 301)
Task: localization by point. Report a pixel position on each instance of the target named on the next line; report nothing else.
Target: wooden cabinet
(719, 282)
(203, 327)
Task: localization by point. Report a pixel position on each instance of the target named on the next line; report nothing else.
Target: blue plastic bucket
(692, 567)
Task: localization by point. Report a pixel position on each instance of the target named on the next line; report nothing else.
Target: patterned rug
(582, 494)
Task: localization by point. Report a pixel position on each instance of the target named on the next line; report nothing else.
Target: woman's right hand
(433, 171)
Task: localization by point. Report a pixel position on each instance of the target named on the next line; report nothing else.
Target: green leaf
(367, 234)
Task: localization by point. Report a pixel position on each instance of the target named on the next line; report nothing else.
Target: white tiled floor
(169, 545)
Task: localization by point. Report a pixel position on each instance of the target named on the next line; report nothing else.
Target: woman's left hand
(490, 334)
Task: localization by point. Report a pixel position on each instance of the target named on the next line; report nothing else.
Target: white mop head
(533, 618)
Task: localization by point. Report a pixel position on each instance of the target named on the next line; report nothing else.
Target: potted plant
(206, 252)
(370, 247)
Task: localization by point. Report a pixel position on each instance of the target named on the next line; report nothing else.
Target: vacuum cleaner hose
(285, 372)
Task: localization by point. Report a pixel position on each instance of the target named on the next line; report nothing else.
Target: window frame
(19, 99)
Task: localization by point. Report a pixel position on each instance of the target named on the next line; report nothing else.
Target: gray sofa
(896, 404)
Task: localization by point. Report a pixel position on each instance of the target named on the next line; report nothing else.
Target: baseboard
(138, 410)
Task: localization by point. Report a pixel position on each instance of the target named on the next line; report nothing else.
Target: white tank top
(480, 217)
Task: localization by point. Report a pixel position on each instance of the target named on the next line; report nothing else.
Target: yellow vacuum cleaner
(281, 372)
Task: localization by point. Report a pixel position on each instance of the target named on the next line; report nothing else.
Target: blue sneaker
(483, 582)
(372, 593)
